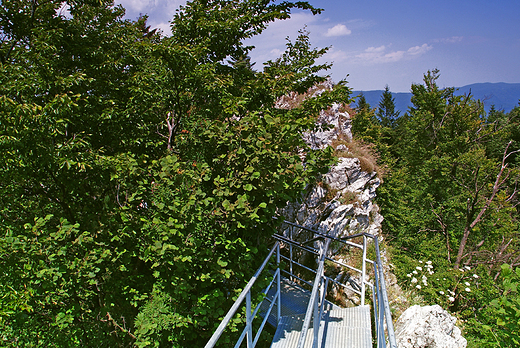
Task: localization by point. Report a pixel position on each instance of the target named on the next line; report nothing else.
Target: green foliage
(139, 173)
(450, 199)
(508, 307)
(386, 112)
(364, 123)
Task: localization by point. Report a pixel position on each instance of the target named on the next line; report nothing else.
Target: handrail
(312, 309)
(381, 308)
(385, 304)
(245, 293)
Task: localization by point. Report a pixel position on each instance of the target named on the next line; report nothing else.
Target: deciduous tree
(139, 173)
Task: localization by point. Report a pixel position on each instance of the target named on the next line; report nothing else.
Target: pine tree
(386, 112)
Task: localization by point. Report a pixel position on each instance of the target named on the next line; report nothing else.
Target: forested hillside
(139, 173)
(500, 96)
(450, 203)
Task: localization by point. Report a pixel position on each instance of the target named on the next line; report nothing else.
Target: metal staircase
(345, 327)
(297, 308)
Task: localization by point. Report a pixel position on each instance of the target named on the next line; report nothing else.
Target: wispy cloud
(338, 30)
(382, 54)
(453, 39)
(419, 50)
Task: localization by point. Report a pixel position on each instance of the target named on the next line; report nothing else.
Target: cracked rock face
(336, 123)
(429, 326)
(342, 203)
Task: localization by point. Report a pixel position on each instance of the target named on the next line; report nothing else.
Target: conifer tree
(386, 109)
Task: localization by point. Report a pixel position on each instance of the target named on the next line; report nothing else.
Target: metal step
(346, 327)
(295, 300)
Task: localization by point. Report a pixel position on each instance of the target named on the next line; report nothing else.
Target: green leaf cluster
(449, 195)
(139, 173)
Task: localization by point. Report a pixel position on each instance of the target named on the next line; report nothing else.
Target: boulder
(429, 326)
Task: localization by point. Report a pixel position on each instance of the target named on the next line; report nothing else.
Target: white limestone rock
(429, 326)
(336, 123)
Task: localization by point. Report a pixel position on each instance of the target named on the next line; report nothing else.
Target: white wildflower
(429, 262)
(451, 298)
(468, 289)
(409, 275)
(468, 268)
(467, 283)
(475, 276)
(418, 268)
(441, 292)
(418, 287)
(414, 272)
(414, 280)
(420, 261)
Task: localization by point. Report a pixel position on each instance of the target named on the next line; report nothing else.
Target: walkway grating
(339, 328)
(295, 300)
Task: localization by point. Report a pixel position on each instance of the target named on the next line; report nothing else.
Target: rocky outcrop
(332, 124)
(342, 203)
(429, 326)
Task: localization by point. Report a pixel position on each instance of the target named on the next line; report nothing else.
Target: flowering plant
(446, 287)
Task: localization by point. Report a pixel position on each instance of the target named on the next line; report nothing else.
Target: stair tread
(346, 327)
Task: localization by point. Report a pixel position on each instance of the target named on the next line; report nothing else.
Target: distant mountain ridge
(505, 96)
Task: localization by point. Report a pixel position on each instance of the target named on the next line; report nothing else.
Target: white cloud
(418, 50)
(382, 54)
(338, 30)
(160, 12)
(271, 43)
(379, 55)
(276, 52)
(375, 50)
(139, 6)
(163, 26)
(336, 55)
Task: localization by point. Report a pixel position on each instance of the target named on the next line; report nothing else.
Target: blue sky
(381, 42)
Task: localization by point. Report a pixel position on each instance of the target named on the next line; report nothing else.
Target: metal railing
(384, 331)
(247, 333)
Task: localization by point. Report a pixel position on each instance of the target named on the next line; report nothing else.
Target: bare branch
(113, 322)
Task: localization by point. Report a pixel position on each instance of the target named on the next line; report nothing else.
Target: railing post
(374, 301)
(291, 255)
(317, 318)
(279, 287)
(363, 271)
(249, 321)
(381, 315)
(311, 308)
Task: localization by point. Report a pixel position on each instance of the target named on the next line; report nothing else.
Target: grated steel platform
(339, 328)
(294, 301)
